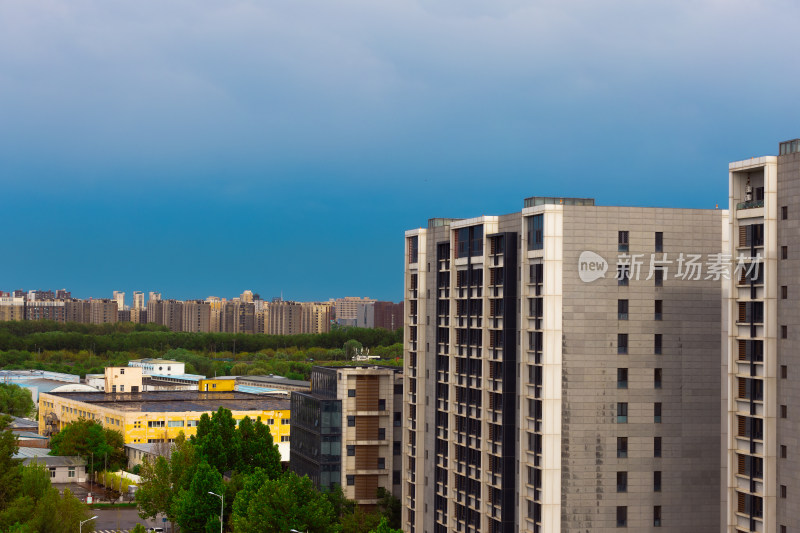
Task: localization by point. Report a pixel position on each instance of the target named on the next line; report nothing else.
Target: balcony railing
(752, 204)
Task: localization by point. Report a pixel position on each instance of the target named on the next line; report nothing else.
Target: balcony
(752, 204)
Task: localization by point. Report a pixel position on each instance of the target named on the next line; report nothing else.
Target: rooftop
(556, 200)
(179, 400)
(276, 380)
(55, 460)
(25, 452)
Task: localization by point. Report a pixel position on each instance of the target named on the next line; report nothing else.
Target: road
(122, 519)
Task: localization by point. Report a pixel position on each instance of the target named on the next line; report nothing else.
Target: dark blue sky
(197, 148)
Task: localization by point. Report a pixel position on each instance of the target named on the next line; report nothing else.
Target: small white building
(162, 367)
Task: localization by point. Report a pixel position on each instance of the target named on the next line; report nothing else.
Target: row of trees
(28, 502)
(290, 362)
(46, 335)
(258, 495)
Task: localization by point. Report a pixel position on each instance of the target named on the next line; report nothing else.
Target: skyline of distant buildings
(246, 313)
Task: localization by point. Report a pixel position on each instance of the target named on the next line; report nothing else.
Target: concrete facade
(760, 469)
(538, 400)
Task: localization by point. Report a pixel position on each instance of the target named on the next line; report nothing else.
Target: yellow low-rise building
(216, 385)
(159, 416)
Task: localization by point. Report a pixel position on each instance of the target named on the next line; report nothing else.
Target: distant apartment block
(138, 300)
(346, 309)
(562, 371)
(12, 308)
(103, 311)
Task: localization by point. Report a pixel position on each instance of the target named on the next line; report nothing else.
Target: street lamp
(80, 526)
(295, 531)
(221, 509)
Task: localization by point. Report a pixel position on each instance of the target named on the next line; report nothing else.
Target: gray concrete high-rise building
(761, 402)
(562, 370)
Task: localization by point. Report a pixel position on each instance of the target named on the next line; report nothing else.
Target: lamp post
(295, 531)
(221, 508)
(80, 526)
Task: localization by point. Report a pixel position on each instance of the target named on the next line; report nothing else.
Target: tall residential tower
(562, 370)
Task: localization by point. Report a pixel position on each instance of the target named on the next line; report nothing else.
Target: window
(396, 477)
(121, 371)
(351, 421)
(622, 343)
(381, 463)
(622, 447)
(622, 482)
(270, 421)
(783, 491)
(155, 424)
(622, 378)
(659, 276)
(351, 393)
(398, 418)
(622, 516)
(784, 411)
(286, 421)
(784, 332)
(71, 472)
(381, 433)
(351, 480)
(191, 423)
(351, 450)
(656, 446)
(784, 371)
(396, 449)
(784, 212)
(784, 292)
(284, 438)
(659, 241)
(113, 388)
(623, 241)
(657, 481)
(622, 309)
(175, 423)
(657, 342)
(783, 451)
(784, 252)
(413, 249)
(659, 309)
(52, 472)
(622, 413)
(657, 516)
(535, 232)
(657, 376)
(381, 405)
(657, 412)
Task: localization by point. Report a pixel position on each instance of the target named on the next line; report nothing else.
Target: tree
(163, 477)
(138, 528)
(290, 502)
(389, 506)
(88, 438)
(256, 449)
(69, 510)
(352, 348)
(15, 400)
(195, 508)
(383, 527)
(9, 467)
(216, 440)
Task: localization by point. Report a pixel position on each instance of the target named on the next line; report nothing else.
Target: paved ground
(123, 520)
